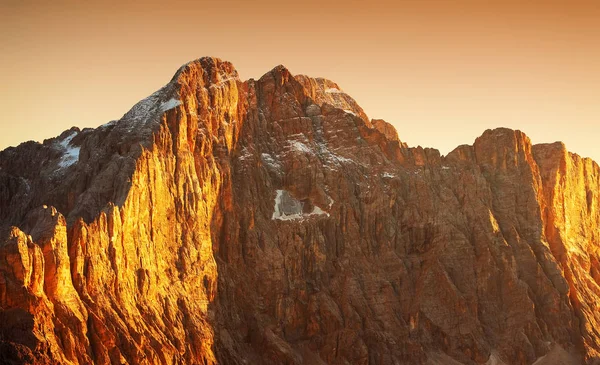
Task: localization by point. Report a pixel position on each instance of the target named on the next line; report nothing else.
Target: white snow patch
(332, 90)
(70, 157)
(277, 210)
(148, 109)
(331, 157)
(141, 110)
(268, 160)
(65, 142)
(292, 210)
(331, 201)
(445, 167)
(170, 104)
(318, 211)
(388, 175)
(290, 217)
(350, 112)
(340, 159)
(300, 147)
(71, 153)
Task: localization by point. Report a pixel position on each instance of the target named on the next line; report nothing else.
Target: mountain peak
(271, 221)
(204, 71)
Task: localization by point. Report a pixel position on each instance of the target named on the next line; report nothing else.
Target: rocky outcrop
(272, 222)
(43, 318)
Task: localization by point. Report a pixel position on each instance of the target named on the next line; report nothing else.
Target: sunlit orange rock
(271, 221)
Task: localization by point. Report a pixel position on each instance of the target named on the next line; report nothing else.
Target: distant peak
(280, 73)
(281, 69)
(500, 131)
(502, 135)
(206, 62)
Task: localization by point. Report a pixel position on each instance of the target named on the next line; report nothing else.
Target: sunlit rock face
(272, 222)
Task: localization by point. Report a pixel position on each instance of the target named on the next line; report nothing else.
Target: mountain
(271, 222)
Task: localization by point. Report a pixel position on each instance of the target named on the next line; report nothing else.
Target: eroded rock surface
(272, 222)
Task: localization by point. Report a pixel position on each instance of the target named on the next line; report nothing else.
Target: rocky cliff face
(271, 222)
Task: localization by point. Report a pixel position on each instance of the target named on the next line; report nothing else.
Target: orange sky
(441, 71)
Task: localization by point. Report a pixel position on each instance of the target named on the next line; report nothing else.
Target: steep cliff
(272, 222)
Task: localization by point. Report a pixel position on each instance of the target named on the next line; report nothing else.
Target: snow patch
(318, 149)
(333, 158)
(300, 147)
(70, 157)
(445, 167)
(287, 208)
(168, 105)
(319, 211)
(71, 153)
(141, 111)
(350, 112)
(331, 201)
(268, 160)
(148, 109)
(332, 90)
(388, 175)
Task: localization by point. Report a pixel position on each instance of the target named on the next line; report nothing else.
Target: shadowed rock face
(271, 222)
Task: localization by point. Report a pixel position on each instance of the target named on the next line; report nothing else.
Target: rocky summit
(270, 221)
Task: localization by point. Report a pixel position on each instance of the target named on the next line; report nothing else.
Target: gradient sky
(441, 71)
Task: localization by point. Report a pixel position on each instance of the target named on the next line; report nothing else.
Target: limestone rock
(271, 221)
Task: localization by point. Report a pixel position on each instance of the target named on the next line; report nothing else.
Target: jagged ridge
(270, 221)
